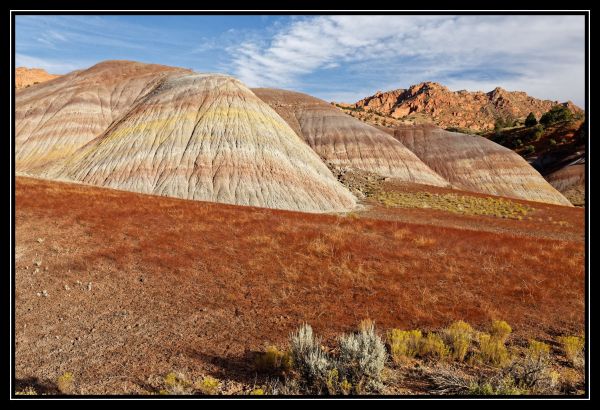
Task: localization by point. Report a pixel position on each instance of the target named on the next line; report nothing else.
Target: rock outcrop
(26, 77)
(166, 131)
(474, 163)
(432, 102)
(345, 142)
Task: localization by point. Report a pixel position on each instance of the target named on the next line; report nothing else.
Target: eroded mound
(474, 163)
(346, 142)
(166, 131)
(55, 119)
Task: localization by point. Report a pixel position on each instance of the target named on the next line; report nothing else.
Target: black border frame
(586, 13)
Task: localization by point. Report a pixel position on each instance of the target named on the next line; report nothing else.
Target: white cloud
(542, 55)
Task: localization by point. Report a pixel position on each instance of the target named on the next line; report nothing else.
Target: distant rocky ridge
(26, 77)
(430, 102)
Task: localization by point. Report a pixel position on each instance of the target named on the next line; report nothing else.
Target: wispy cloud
(53, 66)
(543, 55)
(339, 58)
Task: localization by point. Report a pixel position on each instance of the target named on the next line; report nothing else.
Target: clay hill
(474, 163)
(465, 161)
(26, 77)
(430, 102)
(343, 141)
(167, 131)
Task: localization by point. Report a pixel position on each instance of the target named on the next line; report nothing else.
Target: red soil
(196, 287)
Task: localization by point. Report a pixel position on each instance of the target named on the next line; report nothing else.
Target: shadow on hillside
(37, 385)
(238, 368)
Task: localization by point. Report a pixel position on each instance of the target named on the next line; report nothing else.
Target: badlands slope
(167, 131)
(343, 141)
(476, 164)
(570, 181)
(55, 119)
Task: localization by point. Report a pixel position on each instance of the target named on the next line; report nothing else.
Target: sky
(336, 58)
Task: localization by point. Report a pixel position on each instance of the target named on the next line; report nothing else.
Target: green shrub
(558, 113)
(530, 121)
(533, 371)
(27, 391)
(176, 384)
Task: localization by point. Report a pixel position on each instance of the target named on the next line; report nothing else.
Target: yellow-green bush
(503, 387)
(27, 391)
(573, 347)
(208, 385)
(176, 384)
(538, 351)
(433, 346)
(257, 392)
(459, 335)
(273, 360)
(492, 350)
(404, 344)
(65, 383)
(500, 330)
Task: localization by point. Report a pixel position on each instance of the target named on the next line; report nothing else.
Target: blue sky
(337, 58)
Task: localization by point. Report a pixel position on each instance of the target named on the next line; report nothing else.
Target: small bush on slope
(500, 330)
(64, 383)
(492, 350)
(573, 347)
(357, 368)
(459, 336)
(533, 372)
(362, 358)
(273, 360)
(404, 344)
(433, 347)
(309, 359)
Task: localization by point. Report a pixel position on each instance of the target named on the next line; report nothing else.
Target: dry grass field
(118, 288)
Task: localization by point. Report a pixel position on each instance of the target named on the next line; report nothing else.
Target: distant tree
(552, 141)
(558, 113)
(529, 149)
(530, 121)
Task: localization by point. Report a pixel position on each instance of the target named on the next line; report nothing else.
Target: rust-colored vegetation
(152, 285)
